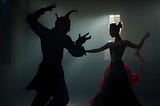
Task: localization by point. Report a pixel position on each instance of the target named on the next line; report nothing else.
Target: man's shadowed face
(63, 24)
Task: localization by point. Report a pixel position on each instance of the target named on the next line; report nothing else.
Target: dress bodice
(116, 52)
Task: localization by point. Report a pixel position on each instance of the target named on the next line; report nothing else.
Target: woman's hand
(147, 35)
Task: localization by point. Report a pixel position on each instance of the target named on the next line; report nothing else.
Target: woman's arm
(132, 45)
(106, 46)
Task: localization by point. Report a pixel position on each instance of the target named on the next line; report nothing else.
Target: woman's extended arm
(130, 44)
(106, 46)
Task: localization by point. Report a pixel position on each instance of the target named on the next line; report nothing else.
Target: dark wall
(5, 31)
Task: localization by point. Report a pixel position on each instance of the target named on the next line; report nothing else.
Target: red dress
(115, 88)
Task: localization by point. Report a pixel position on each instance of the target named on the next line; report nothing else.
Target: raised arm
(32, 20)
(106, 46)
(132, 45)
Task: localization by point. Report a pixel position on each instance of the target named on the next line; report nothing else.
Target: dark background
(20, 52)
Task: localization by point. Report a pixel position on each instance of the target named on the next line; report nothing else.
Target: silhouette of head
(63, 23)
(114, 29)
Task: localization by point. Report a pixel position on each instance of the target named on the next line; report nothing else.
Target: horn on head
(68, 14)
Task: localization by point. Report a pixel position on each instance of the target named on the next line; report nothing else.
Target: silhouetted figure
(49, 81)
(115, 89)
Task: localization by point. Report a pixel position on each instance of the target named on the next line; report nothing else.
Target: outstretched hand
(49, 8)
(147, 35)
(82, 39)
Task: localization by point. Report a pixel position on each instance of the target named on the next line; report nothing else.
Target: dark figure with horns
(49, 81)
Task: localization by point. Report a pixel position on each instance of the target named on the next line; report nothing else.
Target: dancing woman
(115, 89)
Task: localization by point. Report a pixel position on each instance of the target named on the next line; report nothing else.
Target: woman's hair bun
(119, 25)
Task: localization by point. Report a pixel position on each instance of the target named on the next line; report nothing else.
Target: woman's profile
(115, 89)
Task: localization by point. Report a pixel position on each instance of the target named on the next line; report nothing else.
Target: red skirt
(115, 88)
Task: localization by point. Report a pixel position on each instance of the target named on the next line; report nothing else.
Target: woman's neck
(117, 38)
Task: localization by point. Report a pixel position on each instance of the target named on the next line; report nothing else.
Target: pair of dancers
(49, 81)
